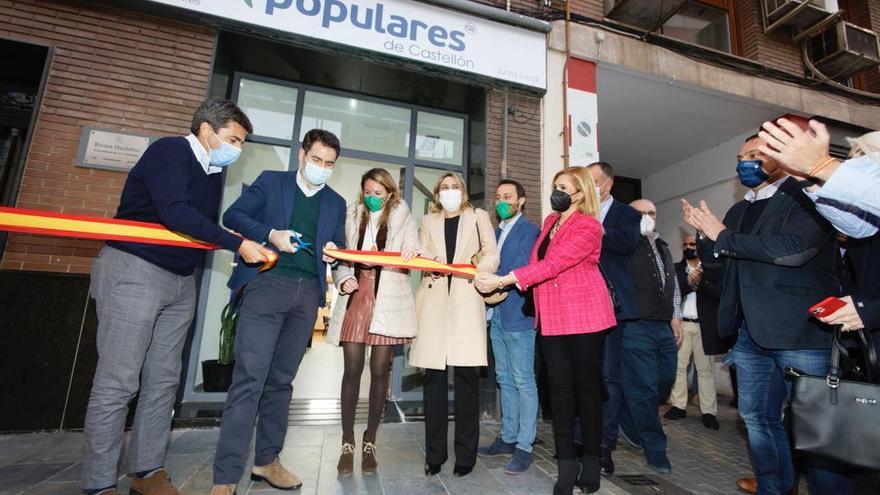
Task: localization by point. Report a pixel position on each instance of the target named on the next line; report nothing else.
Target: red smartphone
(826, 307)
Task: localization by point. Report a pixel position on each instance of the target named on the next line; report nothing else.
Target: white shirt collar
(767, 192)
(202, 155)
(304, 186)
(605, 207)
(506, 224)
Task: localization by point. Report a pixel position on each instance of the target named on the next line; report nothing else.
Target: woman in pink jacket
(573, 312)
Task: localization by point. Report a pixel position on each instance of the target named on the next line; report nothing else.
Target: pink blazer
(570, 294)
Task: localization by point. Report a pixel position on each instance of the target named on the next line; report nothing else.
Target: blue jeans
(611, 375)
(762, 391)
(647, 373)
(515, 372)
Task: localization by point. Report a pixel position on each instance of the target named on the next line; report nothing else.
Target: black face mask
(690, 253)
(560, 201)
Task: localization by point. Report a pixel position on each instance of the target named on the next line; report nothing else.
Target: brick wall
(110, 68)
(523, 147)
(775, 50)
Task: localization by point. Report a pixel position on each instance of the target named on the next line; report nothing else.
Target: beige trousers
(692, 343)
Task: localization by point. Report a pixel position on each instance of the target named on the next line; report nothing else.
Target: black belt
(690, 320)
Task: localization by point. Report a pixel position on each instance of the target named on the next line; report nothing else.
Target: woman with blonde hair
(375, 307)
(452, 322)
(573, 312)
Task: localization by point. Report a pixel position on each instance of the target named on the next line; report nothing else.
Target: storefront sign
(402, 28)
(583, 113)
(110, 150)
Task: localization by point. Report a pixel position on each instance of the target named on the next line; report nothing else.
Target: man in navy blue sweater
(146, 296)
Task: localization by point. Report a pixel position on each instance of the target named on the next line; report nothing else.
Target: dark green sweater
(304, 220)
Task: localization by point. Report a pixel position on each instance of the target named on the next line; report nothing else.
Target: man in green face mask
(513, 335)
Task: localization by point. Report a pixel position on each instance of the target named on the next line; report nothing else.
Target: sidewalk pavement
(704, 462)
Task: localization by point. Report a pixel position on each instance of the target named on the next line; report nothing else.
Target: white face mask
(647, 225)
(450, 199)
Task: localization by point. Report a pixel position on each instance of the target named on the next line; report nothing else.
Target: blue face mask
(316, 174)
(225, 155)
(750, 173)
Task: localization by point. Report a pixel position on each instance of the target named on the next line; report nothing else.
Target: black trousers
(466, 406)
(574, 368)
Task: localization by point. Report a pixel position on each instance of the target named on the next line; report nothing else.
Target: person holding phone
(451, 318)
(573, 312)
(778, 256)
(376, 306)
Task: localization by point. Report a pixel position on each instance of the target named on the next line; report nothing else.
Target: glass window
(439, 138)
(360, 125)
(700, 24)
(271, 107)
(255, 158)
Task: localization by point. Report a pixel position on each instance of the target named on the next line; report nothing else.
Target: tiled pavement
(704, 462)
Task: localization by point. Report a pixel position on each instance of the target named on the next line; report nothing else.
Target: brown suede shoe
(748, 485)
(345, 466)
(223, 490)
(368, 458)
(276, 475)
(158, 483)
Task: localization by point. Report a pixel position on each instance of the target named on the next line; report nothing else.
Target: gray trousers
(276, 318)
(144, 314)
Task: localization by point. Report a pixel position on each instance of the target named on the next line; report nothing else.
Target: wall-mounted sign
(583, 113)
(401, 28)
(110, 150)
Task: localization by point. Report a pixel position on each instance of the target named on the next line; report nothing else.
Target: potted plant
(217, 373)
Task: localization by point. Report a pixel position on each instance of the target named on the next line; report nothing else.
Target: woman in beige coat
(375, 306)
(452, 322)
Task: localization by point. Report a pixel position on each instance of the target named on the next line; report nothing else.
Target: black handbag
(838, 420)
(615, 301)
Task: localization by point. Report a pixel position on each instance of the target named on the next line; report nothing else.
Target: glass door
(417, 145)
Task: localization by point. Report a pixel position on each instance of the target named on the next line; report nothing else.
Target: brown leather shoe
(223, 490)
(276, 475)
(345, 466)
(368, 458)
(158, 483)
(748, 485)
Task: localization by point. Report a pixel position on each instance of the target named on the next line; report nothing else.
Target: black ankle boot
(589, 479)
(568, 473)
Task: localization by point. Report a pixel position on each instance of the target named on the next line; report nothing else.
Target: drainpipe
(504, 118)
(565, 127)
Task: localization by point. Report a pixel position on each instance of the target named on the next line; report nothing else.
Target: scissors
(301, 245)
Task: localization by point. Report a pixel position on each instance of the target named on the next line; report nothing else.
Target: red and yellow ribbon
(97, 228)
(113, 229)
(394, 260)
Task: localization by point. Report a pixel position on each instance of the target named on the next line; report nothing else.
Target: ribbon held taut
(394, 260)
(113, 229)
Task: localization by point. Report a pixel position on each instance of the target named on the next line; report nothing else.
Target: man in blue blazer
(513, 335)
(621, 225)
(298, 215)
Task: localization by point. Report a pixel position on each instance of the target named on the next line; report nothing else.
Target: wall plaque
(110, 149)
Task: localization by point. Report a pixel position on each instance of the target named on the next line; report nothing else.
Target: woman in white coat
(375, 307)
(452, 322)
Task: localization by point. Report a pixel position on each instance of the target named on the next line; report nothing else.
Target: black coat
(621, 238)
(773, 274)
(708, 297)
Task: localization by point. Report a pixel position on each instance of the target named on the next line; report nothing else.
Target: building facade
(488, 89)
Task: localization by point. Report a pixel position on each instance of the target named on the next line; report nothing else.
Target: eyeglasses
(690, 244)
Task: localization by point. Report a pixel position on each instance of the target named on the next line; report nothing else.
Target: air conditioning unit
(800, 15)
(647, 15)
(843, 50)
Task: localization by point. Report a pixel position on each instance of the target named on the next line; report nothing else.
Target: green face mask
(373, 203)
(504, 210)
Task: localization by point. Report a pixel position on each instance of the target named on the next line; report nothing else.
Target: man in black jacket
(778, 260)
(620, 223)
(689, 272)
